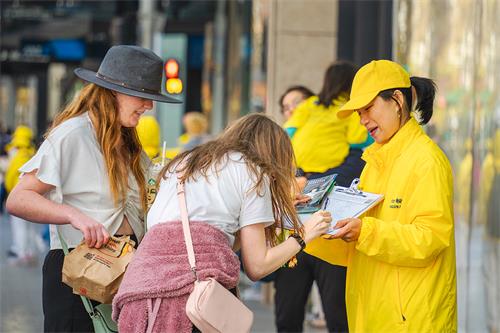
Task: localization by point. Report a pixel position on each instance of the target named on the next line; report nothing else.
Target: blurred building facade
(238, 57)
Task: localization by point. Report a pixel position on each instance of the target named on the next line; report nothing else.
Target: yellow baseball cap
(370, 80)
(21, 137)
(23, 132)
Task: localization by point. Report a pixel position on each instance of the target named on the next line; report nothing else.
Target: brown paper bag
(97, 273)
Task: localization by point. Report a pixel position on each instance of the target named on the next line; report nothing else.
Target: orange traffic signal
(171, 68)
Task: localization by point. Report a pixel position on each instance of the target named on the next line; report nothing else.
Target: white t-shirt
(70, 159)
(225, 200)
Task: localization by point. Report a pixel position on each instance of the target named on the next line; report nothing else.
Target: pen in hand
(327, 200)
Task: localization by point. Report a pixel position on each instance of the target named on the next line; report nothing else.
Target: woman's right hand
(317, 225)
(94, 233)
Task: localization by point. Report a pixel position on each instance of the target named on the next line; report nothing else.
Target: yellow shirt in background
(322, 140)
(22, 155)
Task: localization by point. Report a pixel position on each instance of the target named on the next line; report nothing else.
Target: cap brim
(355, 104)
(90, 76)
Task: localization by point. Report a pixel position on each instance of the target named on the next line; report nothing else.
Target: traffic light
(173, 84)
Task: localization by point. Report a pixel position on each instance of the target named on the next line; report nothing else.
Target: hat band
(125, 85)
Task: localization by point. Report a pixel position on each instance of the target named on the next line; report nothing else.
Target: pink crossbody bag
(211, 307)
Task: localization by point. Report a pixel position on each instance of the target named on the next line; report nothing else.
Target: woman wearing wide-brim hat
(401, 274)
(87, 178)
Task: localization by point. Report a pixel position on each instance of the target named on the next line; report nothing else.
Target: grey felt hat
(130, 70)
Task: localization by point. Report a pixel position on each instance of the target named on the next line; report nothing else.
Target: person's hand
(94, 233)
(317, 225)
(348, 229)
(301, 199)
(297, 189)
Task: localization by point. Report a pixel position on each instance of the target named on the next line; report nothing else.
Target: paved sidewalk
(21, 296)
(20, 291)
(21, 305)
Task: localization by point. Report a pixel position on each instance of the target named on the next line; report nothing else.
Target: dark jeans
(293, 286)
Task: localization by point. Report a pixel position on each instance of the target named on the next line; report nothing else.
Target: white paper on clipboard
(344, 202)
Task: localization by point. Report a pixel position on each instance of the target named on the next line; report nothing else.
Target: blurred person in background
(26, 239)
(5, 138)
(401, 269)
(292, 97)
(196, 126)
(149, 134)
(196, 132)
(323, 144)
(87, 179)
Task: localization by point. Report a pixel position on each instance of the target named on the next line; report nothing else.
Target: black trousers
(63, 311)
(293, 286)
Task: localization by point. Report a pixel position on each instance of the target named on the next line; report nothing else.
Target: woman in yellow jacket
(401, 273)
(321, 140)
(24, 233)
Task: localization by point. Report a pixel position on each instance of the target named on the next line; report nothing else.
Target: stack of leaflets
(341, 202)
(346, 202)
(317, 189)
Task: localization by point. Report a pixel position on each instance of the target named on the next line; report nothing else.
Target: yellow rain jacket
(401, 275)
(22, 155)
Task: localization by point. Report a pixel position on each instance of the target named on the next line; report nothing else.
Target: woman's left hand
(348, 229)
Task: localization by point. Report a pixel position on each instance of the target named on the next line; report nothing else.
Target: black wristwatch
(299, 240)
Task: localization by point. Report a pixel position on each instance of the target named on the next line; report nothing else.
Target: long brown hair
(120, 145)
(269, 155)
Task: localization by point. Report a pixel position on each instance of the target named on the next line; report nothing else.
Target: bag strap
(86, 302)
(152, 313)
(181, 194)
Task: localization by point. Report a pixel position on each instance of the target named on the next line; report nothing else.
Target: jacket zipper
(400, 302)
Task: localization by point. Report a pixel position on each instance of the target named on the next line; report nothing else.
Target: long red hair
(120, 145)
